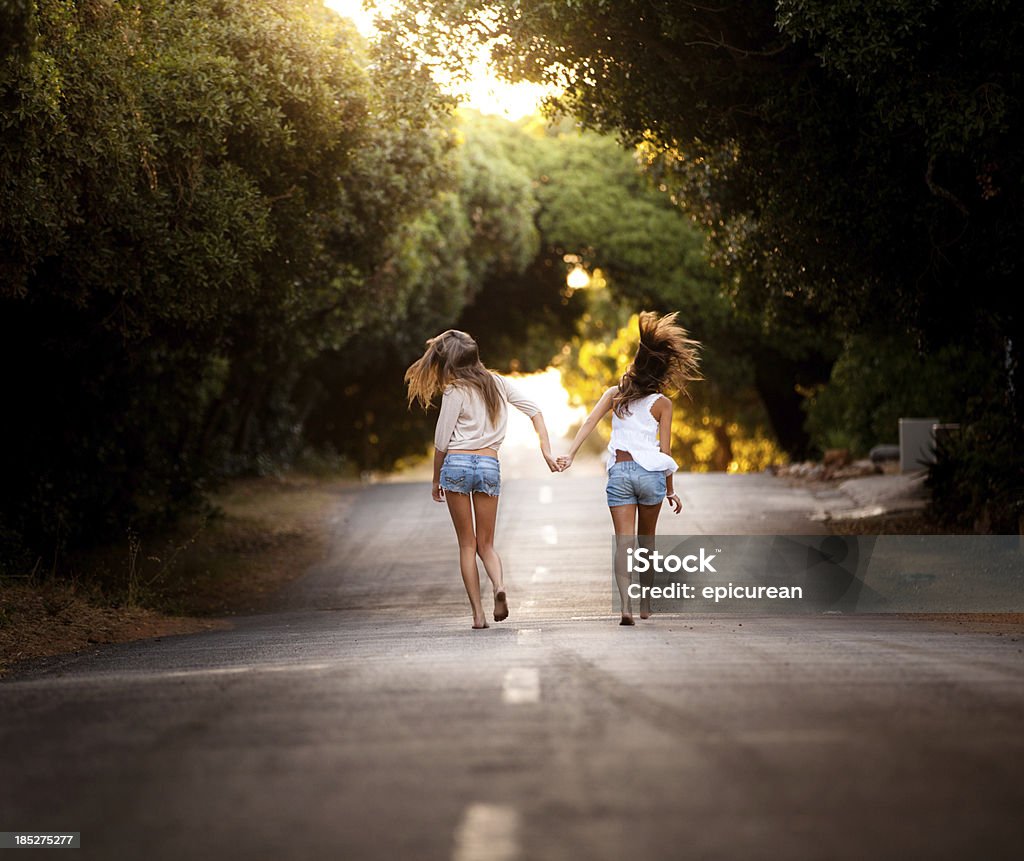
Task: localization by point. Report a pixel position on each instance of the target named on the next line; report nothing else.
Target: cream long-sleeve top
(463, 424)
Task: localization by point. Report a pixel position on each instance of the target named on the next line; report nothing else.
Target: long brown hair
(666, 360)
(452, 358)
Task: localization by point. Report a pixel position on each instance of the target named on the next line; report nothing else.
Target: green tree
(470, 256)
(199, 197)
(856, 165)
(877, 379)
(15, 27)
(596, 205)
(827, 146)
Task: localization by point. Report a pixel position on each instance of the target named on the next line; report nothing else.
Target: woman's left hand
(674, 503)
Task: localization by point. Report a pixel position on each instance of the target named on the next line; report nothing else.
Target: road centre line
(521, 685)
(487, 832)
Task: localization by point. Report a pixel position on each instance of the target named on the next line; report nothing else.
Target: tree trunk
(776, 378)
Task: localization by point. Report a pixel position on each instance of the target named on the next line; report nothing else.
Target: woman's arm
(451, 406)
(545, 443)
(596, 414)
(662, 411)
(529, 408)
(435, 489)
(447, 417)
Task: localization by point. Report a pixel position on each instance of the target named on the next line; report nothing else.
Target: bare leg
(460, 508)
(624, 523)
(647, 522)
(485, 508)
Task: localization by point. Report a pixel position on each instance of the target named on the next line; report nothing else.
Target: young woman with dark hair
(639, 461)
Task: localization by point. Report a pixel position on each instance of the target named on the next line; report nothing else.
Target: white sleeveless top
(637, 433)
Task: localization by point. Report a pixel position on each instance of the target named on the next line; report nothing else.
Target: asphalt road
(365, 720)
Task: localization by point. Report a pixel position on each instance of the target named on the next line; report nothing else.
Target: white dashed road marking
(487, 832)
(549, 534)
(521, 685)
(545, 495)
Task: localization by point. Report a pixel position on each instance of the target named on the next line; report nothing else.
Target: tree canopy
(226, 229)
(854, 159)
(856, 165)
(549, 193)
(199, 197)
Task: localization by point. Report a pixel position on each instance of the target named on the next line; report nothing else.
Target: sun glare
(546, 389)
(484, 91)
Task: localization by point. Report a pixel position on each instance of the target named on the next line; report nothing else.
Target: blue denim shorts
(471, 473)
(631, 484)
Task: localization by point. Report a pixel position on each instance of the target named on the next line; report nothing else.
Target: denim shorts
(631, 484)
(471, 473)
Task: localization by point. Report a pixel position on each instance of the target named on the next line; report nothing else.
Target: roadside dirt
(266, 533)
(54, 619)
(998, 624)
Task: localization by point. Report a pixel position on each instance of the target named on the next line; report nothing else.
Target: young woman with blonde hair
(470, 429)
(639, 459)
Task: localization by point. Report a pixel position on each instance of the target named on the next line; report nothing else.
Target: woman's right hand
(437, 492)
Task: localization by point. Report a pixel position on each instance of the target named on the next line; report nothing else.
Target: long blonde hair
(666, 360)
(452, 358)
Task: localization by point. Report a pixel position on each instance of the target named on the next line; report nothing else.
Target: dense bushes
(880, 378)
(199, 198)
(979, 471)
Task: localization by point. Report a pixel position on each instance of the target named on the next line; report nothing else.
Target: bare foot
(626, 620)
(500, 605)
(481, 626)
(645, 608)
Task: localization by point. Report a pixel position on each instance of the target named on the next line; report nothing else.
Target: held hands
(564, 462)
